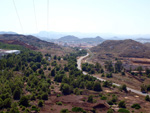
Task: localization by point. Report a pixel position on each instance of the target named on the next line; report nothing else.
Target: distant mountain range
(112, 36)
(44, 35)
(7, 32)
(76, 40)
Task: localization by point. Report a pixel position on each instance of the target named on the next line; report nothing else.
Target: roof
(12, 51)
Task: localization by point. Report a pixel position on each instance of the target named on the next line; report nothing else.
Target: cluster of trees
(91, 68)
(117, 67)
(145, 88)
(20, 74)
(76, 79)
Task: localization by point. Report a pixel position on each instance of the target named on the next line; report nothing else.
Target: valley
(50, 78)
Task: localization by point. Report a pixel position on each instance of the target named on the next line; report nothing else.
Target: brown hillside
(29, 40)
(16, 42)
(123, 48)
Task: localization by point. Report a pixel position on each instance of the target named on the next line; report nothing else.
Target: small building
(12, 51)
(6, 52)
(49, 58)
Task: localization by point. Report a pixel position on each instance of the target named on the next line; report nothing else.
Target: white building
(6, 52)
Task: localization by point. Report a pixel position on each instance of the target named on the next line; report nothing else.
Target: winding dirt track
(79, 60)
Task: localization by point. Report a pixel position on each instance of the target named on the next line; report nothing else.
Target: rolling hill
(16, 42)
(122, 48)
(76, 40)
(29, 40)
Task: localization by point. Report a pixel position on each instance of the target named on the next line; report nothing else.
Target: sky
(88, 16)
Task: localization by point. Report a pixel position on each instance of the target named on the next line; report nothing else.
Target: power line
(47, 16)
(18, 16)
(35, 17)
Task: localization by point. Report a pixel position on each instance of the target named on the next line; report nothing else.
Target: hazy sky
(103, 16)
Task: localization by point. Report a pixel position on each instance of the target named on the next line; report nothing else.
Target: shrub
(59, 103)
(114, 98)
(136, 106)
(17, 93)
(77, 109)
(123, 110)
(122, 104)
(97, 86)
(110, 102)
(124, 87)
(103, 97)
(40, 103)
(90, 98)
(45, 96)
(24, 101)
(147, 98)
(110, 111)
(34, 108)
(66, 89)
(7, 103)
(64, 111)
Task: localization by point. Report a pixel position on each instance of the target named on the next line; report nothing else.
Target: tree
(97, 86)
(65, 88)
(45, 96)
(118, 66)
(24, 101)
(140, 69)
(122, 104)
(90, 99)
(7, 103)
(110, 111)
(124, 87)
(109, 66)
(53, 72)
(147, 71)
(40, 103)
(55, 57)
(34, 67)
(89, 85)
(1, 103)
(136, 106)
(14, 108)
(41, 71)
(147, 98)
(143, 88)
(17, 93)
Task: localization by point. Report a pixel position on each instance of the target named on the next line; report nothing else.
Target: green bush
(24, 101)
(34, 108)
(122, 104)
(64, 111)
(7, 103)
(97, 86)
(59, 103)
(110, 111)
(41, 103)
(123, 110)
(136, 106)
(45, 96)
(103, 98)
(90, 99)
(110, 102)
(78, 109)
(147, 98)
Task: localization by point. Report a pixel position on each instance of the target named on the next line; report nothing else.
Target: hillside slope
(123, 48)
(30, 40)
(16, 42)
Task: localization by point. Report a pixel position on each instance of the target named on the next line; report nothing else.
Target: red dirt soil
(70, 101)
